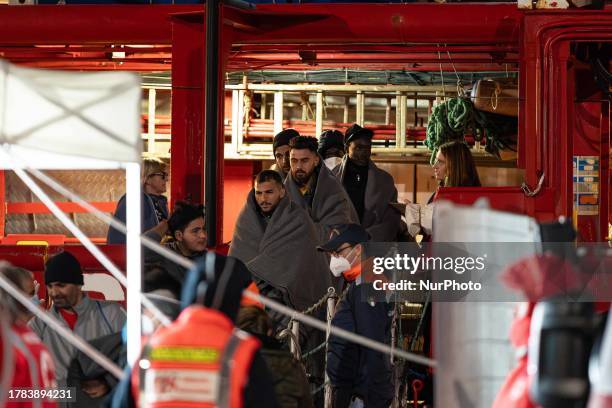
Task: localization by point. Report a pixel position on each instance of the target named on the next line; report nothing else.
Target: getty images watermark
(411, 265)
(486, 272)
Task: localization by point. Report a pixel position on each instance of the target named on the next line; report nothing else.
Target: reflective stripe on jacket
(200, 360)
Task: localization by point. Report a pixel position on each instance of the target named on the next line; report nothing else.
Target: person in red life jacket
(121, 395)
(356, 371)
(72, 308)
(202, 359)
(33, 364)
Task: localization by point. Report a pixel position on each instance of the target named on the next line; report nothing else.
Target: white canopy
(90, 115)
(74, 120)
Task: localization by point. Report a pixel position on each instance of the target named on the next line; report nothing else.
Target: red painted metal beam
(344, 58)
(306, 23)
(414, 67)
(388, 48)
(187, 110)
(384, 23)
(99, 66)
(67, 207)
(76, 48)
(547, 111)
(2, 202)
(89, 24)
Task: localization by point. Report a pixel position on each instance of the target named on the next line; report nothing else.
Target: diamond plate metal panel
(92, 185)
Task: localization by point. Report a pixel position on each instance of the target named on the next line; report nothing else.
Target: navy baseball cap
(352, 234)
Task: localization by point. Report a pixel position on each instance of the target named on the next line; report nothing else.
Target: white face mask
(339, 264)
(332, 162)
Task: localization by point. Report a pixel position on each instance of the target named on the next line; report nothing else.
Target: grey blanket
(283, 253)
(331, 204)
(379, 218)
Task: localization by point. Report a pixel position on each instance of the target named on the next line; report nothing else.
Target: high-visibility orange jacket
(201, 360)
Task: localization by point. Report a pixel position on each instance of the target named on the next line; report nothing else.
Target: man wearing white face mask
(331, 147)
(355, 371)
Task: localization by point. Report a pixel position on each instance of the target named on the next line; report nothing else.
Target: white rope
(364, 341)
(336, 331)
(68, 335)
(109, 265)
(42, 196)
(118, 225)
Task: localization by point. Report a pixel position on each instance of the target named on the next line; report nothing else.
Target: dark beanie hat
(357, 132)
(64, 268)
(282, 138)
(329, 139)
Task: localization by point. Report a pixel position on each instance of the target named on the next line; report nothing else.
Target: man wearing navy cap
(356, 371)
(370, 188)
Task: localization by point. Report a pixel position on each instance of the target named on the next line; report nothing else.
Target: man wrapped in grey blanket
(370, 188)
(311, 185)
(380, 220)
(277, 242)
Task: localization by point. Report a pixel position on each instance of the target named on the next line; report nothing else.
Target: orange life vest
(201, 360)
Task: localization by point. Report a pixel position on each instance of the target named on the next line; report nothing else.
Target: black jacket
(259, 392)
(84, 368)
(289, 378)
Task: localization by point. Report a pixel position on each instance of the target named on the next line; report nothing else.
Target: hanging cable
(460, 90)
(441, 74)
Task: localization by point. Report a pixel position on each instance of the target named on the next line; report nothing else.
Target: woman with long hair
(454, 167)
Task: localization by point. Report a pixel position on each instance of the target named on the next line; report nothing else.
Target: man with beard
(312, 186)
(280, 149)
(87, 318)
(370, 188)
(276, 239)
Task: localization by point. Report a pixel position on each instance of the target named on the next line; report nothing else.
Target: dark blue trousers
(355, 370)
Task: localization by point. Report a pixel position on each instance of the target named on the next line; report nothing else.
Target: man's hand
(95, 388)
(161, 228)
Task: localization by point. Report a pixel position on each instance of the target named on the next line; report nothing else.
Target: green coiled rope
(452, 119)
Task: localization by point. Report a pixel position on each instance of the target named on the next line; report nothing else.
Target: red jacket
(34, 367)
(201, 360)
